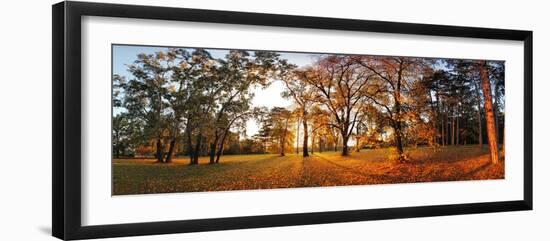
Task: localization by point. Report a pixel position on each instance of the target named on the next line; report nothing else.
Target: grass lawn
(245, 172)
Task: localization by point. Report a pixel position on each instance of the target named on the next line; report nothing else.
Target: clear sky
(124, 55)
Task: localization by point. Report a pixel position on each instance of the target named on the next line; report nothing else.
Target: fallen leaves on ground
(247, 172)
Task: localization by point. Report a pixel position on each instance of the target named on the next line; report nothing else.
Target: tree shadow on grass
(356, 172)
(471, 173)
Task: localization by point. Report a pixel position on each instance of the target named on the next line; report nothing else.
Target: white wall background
(25, 123)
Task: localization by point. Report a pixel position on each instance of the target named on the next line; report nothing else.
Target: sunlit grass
(245, 172)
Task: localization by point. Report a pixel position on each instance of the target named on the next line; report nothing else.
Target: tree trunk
(219, 152)
(117, 151)
(397, 122)
(434, 116)
(160, 153)
(443, 133)
(116, 147)
(282, 146)
(297, 136)
(489, 116)
(479, 116)
(399, 143)
(171, 149)
(220, 148)
(345, 148)
(446, 119)
(458, 129)
(439, 132)
(452, 131)
(283, 141)
(495, 113)
(212, 152)
(190, 149)
(305, 152)
(213, 146)
(497, 125)
(159, 150)
(197, 150)
(479, 127)
(358, 138)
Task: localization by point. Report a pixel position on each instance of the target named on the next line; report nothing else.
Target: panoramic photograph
(191, 119)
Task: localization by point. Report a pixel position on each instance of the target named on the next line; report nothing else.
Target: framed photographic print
(170, 120)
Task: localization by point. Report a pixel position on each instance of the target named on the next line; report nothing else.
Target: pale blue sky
(123, 55)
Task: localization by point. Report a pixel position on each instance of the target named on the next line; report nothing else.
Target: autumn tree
(232, 100)
(187, 72)
(320, 128)
(394, 76)
(145, 95)
(264, 135)
(340, 86)
(488, 105)
(421, 118)
(281, 129)
(276, 133)
(303, 95)
(238, 74)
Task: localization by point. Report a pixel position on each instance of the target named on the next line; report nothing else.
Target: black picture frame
(66, 128)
